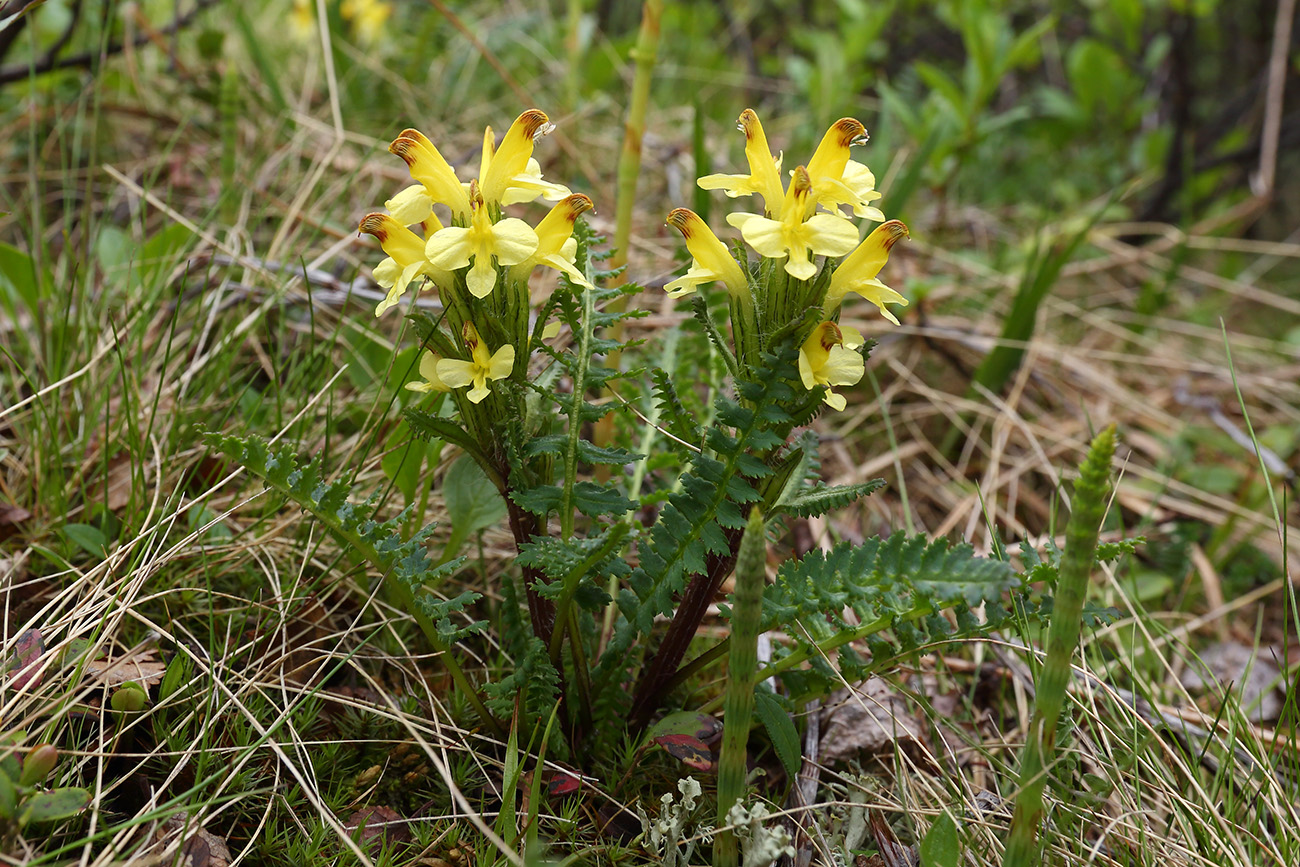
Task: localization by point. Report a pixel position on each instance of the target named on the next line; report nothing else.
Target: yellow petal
(455, 373)
(489, 150)
(482, 278)
(852, 337)
(829, 235)
(430, 169)
(799, 266)
(387, 273)
(763, 167)
(857, 272)
(429, 371)
(806, 371)
(767, 237)
(399, 286)
(861, 184)
(709, 253)
(834, 401)
(412, 205)
(513, 241)
(501, 363)
(551, 330)
(732, 185)
(686, 284)
(479, 391)
(557, 226)
(559, 263)
(738, 219)
(399, 242)
(450, 248)
(843, 367)
(528, 185)
(512, 157)
(832, 155)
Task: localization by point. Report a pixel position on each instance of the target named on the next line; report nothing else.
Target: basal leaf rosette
(809, 257)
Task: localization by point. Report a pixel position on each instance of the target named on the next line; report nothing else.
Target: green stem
(574, 578)
(644, 55)
(583, 354)
(746, 615)
(1091, 494)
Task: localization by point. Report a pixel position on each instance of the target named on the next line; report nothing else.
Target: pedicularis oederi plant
(615, 578)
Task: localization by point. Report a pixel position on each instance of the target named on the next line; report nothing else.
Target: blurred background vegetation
(1101, 194)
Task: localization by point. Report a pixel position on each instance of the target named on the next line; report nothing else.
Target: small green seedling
(23, 801)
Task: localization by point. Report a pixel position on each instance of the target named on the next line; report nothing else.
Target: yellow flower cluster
(367, 18)
(480, 248)
(794, 230)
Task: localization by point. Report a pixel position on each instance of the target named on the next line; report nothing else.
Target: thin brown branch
(88, 59)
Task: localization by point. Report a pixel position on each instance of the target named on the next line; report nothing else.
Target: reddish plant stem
(685, 623)
(523, 525)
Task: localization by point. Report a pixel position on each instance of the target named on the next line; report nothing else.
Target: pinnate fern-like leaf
(897, 585)
(822, 499)
(379, 542)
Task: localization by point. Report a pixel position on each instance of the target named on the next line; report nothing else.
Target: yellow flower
(712, 260)
(481, 367)
(438, 183)
(406, 260)
(825, 359)
(793, 235)
(429, 370)
(302, 20)
(509, 174)
(857, 272)
(367, 18)
(764, 175)
(836, 179)
(556, 246)
(510, 240)
(506, 176)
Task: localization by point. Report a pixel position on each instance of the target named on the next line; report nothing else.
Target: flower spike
(438, 183)
(712, 260)
(857, 272)
(824, 359)
(482, 366)
(764, 175)
(510, 240)
(792, 235)
(406, 260)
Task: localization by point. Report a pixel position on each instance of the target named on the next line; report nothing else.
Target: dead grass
(280, 640)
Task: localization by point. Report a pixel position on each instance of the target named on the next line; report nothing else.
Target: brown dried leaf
(112, 485)
(1252, 675)
(10, 517)
(27, 652)
(201, 848)
(305, 637)
(142, 668)
(381, 825)
(870, 718)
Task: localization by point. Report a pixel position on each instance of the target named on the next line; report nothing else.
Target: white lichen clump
(759, 844)
(668, 836)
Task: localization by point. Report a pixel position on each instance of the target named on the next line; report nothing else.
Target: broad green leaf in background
(19, 287)
(473, 503)
(89, 539)
(940, 847)
(404, 458)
